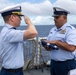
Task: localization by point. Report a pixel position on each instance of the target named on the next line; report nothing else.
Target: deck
(39, 71)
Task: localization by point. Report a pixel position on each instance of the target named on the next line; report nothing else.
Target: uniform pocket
(60, 37)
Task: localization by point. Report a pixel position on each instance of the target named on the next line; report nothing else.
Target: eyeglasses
(56, 17)
(17, 16)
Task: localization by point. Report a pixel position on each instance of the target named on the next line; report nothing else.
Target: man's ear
(12, 17)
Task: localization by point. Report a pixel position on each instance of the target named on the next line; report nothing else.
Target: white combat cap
(60, 11)
(15, 9)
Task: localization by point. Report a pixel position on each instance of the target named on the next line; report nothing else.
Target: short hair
(6, 18)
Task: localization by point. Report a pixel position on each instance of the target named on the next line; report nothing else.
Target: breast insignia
(63, 31)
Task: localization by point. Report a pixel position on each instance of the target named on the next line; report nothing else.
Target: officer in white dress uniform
(11, 40)
(63, 35)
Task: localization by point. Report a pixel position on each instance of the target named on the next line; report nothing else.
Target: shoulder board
(71, 27)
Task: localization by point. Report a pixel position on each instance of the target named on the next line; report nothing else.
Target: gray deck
(44, 71)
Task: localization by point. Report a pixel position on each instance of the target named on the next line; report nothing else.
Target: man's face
(59, 20)
(17, 20)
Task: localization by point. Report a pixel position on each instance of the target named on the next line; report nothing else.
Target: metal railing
(34, 53)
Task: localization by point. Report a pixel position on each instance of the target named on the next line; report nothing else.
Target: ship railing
(35, 54)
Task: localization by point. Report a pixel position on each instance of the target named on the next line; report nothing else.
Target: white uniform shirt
(11, 47)
(66, 33)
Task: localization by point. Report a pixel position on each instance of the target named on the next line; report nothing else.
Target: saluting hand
(27, 20)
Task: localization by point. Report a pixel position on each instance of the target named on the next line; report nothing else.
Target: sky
(40, 11)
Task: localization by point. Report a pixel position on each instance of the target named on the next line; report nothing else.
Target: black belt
(63, 61)
(13, 70)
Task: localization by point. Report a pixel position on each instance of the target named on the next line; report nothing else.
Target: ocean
(43, 30)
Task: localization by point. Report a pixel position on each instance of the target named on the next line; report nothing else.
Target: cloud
(43, 9)
(1, 21)
(42, 20)
(37, 10)
(4, 3)
(40, 13)
(72, 19)
(37, 19)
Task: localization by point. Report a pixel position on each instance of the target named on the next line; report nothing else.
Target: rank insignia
(63, 31)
